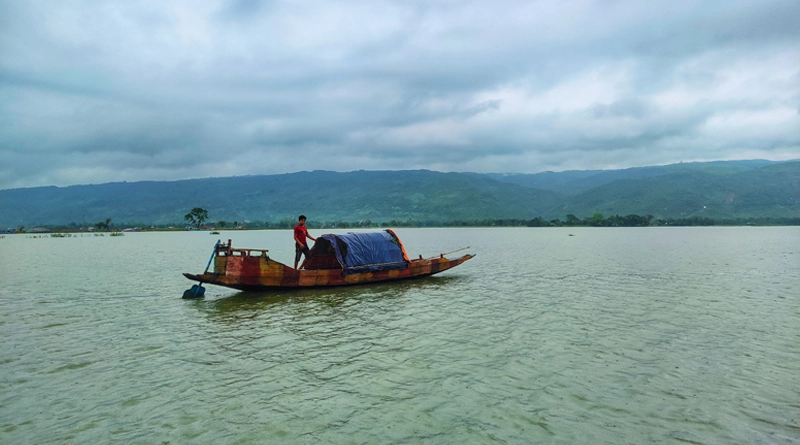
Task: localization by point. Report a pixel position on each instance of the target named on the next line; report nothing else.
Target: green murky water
(653, 335)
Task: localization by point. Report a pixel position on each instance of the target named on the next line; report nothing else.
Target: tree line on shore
(198, 216)
(599, 220)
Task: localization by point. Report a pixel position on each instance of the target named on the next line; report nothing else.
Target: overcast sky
(94, 92)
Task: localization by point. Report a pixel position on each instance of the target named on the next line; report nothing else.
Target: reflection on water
(607, 336)
(250, 302)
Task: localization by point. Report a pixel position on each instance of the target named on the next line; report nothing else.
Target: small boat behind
(335, 260)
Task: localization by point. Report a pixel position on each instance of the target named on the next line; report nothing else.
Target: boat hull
(258, 273)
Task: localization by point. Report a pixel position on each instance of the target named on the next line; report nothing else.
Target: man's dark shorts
(298, 250)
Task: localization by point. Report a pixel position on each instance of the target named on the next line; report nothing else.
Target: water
(648, 335)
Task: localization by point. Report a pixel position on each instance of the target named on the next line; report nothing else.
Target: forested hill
(715, 190)
(770, 191)
(573, 182)
(324, 196)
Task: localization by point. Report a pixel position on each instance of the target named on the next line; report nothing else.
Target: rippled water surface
(651, 335)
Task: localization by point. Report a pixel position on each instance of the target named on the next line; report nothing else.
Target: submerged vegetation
(68, 235)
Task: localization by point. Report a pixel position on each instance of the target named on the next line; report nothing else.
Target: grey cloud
(165, 90)
(621, 108)
(241, 9)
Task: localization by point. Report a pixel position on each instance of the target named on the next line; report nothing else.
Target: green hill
(574, 182)
(771, 191)
(715, 190)
(378, 196)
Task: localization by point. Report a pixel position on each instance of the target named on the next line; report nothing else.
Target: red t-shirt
(301, 232)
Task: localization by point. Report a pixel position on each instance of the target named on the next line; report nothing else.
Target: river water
(578, 335)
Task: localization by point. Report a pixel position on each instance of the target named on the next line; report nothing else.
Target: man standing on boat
(300, 246)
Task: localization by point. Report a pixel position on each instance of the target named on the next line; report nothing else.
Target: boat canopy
(359, 252)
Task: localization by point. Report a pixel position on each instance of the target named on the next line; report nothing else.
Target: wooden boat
(336, 260)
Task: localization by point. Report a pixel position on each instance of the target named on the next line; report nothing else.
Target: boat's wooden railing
(227, 250)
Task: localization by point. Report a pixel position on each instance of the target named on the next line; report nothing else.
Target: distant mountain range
(731, 189)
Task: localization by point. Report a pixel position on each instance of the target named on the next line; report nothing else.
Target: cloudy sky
(94, 92)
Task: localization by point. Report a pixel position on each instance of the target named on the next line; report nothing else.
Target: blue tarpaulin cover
(370, 251)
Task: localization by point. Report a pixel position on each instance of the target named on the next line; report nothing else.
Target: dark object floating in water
(336, 260)
(196, 291)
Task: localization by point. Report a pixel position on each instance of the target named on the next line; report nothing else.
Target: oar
(447, 253)
(197, 290)
(213, 254)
